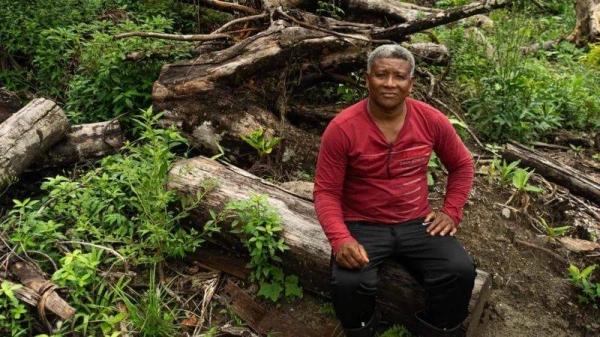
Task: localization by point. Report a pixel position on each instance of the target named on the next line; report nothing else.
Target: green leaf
(271, 291)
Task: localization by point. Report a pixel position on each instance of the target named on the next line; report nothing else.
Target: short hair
(391, 51)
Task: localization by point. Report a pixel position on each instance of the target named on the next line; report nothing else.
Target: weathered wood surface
(83, 143)
(587, 28)
(35, 283)
(26, 134)
(309, 254)
(262, 320)
(576, 181)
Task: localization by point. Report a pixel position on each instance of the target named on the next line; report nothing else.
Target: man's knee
(349, 282)
(463, 269)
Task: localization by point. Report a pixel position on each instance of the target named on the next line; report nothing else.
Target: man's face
(389, 83)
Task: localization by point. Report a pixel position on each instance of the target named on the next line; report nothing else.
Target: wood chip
(578, 245)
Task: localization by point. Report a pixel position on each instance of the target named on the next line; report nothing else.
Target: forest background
(65, 50)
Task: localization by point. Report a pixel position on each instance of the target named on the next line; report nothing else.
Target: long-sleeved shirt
(361, 176)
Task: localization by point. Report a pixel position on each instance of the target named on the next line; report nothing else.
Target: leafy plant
(259, 142)
(12, 312)
(257, 223)
(581, 279)
(330, 8)
(554, 232)
(396, 331)
(124, 207)
(520, 181)
(596, 157)
(504, 170)
(432, 165)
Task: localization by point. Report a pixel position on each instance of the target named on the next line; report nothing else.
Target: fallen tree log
(26, 134)
(84, 142)
(31, 278)
(576, 181)
(587, 28)
(308, 257)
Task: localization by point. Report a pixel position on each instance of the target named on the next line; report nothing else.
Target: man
(371, 200)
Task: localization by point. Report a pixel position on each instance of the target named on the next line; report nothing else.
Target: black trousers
(439, 263)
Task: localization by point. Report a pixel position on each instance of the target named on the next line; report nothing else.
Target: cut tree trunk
(26, 134)
(587, 29)
(577, 182)
(84, 142)
(35, 282)
(309, 254)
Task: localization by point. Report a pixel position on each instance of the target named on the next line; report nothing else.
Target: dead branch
(455, 114)
(240, 20)
(227, 6)
(193, 37)
(397, 32)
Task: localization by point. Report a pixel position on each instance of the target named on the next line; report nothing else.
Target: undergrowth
(117, 216)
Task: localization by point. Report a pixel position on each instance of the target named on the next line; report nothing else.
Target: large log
(576, 181)
(84, 142)
(26, 134)
(309, 254)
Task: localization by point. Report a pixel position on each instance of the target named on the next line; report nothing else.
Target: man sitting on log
(371, 200)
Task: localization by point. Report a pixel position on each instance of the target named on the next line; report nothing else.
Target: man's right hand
(352, 255)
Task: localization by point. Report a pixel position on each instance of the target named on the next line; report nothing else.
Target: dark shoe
(368, 330)
(425, 329)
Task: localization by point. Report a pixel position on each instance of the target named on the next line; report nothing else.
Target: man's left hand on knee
(441, 224)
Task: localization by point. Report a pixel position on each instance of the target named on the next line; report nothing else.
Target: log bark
(35, 282)
(84, 142)
(587, 28)
(26, 134)
(308, 257)
(576, 181)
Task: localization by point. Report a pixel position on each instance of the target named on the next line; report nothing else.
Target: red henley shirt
(361, 176)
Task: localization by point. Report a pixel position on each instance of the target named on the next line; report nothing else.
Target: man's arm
(457, 160)
(329, 182)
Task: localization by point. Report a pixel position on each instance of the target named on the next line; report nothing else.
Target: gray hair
(393, 51)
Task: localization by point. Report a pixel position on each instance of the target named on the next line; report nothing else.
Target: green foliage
(433, 164)
(592, 58)
(451, 3)
(396, 331)
(326, 309)
(259, 142)
(123, 206)
(257, 223)
(596, 157)
(553, 232)
(12, 312)
(503, 170)
(68, 53)
(511, 96)
(330, 8)
(520, 181)
(150, 313)
(582, 280)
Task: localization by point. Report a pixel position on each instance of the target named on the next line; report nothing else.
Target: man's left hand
(440, 224)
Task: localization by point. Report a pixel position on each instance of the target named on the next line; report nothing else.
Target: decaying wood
(394, 11)
(308, 257)
(219, 259)
(83, 143)
(587, 28)
(9, 104)
(438, 19)
(32, 279)
(576, 181)
(26, 134)
(193, 37)
(265, 321)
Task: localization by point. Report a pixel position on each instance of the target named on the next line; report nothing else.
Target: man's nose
(389, 81)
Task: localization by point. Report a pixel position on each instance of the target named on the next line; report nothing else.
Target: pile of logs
(39, 136)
